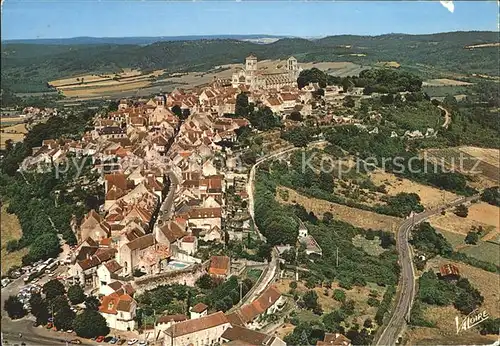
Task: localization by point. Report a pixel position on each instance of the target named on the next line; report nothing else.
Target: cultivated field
(93, 86)
(480, 214)
(357, 217)
(430, 197)
(15, 137)
(393, 64)
(11, 229)
(444, 82)
(481, 163)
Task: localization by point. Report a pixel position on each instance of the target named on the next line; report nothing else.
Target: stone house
(205, 330)
(119, 311)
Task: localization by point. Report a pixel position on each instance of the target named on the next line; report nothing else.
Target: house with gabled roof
(119, 310)
(206, 330)
(269, 302)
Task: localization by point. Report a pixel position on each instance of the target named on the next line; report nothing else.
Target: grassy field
(356, 217)
(254, 274)
(371, 247)
(472, 161)
(444, 316)
(10, 229)
(442, 91)
(484, 251)
(444, 82)
(429, 196)
(360, 296)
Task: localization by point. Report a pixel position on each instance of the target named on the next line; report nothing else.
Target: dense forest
(28, 67)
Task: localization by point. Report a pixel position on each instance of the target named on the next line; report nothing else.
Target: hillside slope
(27, 67)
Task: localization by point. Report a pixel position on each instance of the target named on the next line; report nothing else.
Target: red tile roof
(199, 308)
(449, 269)
(250, 311)
(114, 302)
(220, 265)
(193, 326)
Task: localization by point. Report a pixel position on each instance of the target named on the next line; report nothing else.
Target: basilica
(256, 79)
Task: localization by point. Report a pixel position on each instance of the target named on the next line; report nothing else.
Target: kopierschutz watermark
(398, 164)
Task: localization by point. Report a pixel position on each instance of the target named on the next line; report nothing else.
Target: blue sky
(105, 18)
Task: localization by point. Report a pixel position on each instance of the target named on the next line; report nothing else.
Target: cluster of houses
(164, 182)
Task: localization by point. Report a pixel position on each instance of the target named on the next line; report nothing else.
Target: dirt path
(447, 117)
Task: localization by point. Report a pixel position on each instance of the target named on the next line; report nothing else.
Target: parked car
(108, 338)
(76, 341)
(143, 343)
(113, 341)
(132, 341)
(100, 339)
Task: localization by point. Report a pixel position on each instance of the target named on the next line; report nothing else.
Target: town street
(406, 294)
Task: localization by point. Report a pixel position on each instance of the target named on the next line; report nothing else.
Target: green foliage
(242, 108)
(299, 136)
(273, 220)
(490, 326)
(53, 288)
(491, 195)
(90, 324)
(385, 305)
(263, 119)
(76, 294)
(339, 295)
(310, 300)
(43, 247)
(461, 210)
(401, 204)
(426, 239)
(63, 318)
(433, 291)
(387, 81)
(14, 308)
(417, 316)
(205, 282)
(92, 303)
(170, 298)
(39, 308)
(472, 238)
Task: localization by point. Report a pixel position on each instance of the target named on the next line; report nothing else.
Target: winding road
(401, 312)
(272, 269)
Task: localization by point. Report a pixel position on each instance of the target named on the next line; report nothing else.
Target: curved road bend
(273, 264)
(406, 294)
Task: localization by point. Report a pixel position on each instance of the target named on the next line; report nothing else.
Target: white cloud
(448, 5)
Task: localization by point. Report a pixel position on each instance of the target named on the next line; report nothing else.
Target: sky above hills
(31, 19)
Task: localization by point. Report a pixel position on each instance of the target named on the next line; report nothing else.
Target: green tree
(14, 308)
(53, 288)
(472, 238)
(90, 324)
(177, 111)
(63, 318)
(92, 303)
(43, 247)
(242, 107)
(295, 116)
(339, 295)
(205, 282)
(461, 210)
(76, 294)
(349, 102)
(310, 299)
(39, 308)
(327, 217)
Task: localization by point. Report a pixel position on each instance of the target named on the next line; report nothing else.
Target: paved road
(406, 294)
(272, 270)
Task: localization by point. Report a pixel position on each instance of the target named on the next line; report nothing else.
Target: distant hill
(27, 67)
(135, 40)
